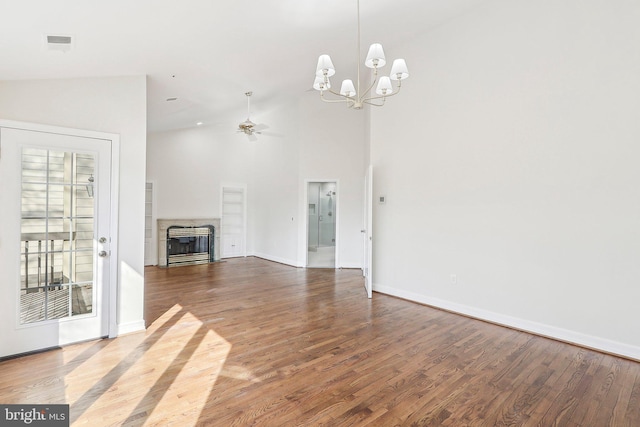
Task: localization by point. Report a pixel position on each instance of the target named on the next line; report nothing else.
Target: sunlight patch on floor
(137, 382)
(81, 378)
(201, 372)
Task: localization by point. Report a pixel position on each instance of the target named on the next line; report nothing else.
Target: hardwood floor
(251, 342)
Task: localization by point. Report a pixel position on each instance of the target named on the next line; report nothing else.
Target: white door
(368, 229)
(54, 239)
(233, 221)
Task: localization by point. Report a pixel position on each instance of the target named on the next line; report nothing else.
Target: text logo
(34, 415)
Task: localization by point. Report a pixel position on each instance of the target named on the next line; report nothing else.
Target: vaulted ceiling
(208, 53)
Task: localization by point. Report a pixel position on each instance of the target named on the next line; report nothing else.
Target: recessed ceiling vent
(58, 43)
(59, 39)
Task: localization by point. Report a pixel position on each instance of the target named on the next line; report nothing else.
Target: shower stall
(321, 230)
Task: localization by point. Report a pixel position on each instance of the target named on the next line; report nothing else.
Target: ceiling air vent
(59, 39)
(58, 43)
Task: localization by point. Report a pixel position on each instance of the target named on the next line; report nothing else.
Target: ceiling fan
(248, 127)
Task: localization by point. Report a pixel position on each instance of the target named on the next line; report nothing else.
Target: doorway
(56, 227)
(321, 224)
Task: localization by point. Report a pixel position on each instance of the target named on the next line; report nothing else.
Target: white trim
(152, 259)
(275, 259)
(566, 335)
(35, 127)
(355, 265)
(131, 327)
(114, 281)
(368, 235)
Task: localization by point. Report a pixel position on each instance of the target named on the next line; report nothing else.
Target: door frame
(112, 282)
(305, 209)
(367, 268)
(152, 259)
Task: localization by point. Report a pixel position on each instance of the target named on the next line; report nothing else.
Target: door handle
(102, 254)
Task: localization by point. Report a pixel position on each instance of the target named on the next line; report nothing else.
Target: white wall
(295, 147)
(274, 212)
(189, 165)
(333, 147)
(511, 160)
(113, 105)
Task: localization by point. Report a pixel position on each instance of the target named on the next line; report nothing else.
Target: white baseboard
(275, 259)
(295, 263)
(131, 327)
(578, 338)
(351, 265)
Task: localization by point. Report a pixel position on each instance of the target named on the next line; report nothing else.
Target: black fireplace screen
(190, 245)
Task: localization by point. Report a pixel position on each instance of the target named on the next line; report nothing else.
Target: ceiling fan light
(347, 89)
(375, 57)
(320, 84)
(325, 66)
(384, 86)
(399, 70)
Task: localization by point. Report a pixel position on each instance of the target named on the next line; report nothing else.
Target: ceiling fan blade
(272, 134)
(252, 137)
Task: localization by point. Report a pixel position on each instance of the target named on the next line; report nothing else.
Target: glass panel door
(321, 224)
(57, 221)
(55, 206)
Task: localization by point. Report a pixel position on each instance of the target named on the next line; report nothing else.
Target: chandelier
(355, 98)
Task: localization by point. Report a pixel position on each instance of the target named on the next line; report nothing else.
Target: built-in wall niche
(149, 247)
(233, 220)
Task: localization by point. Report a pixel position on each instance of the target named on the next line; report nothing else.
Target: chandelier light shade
(399, 70)
(319, 83)
(384, 86)
(348, 89)
(350, 93)
(325, 66)
(375, 57)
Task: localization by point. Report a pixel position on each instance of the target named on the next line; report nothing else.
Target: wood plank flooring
(251, 342)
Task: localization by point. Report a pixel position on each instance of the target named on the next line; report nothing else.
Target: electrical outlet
(453, 278)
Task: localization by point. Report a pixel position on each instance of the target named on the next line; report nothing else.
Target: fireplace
(188, 241)
(190, 245)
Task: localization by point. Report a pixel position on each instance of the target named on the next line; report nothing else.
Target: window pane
(57, 260)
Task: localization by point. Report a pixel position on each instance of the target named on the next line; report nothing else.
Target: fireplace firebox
(188, 245)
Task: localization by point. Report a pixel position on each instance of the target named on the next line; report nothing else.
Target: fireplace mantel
(164, 224)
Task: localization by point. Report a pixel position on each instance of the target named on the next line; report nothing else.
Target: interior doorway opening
(321, 224)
